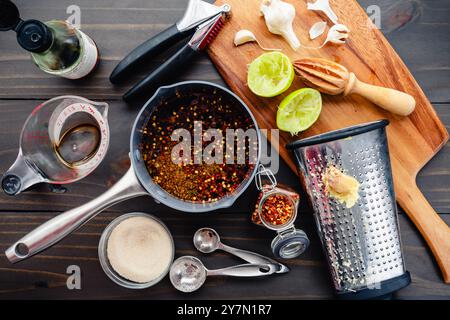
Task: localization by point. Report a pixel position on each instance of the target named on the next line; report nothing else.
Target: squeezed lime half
(299, 110)
(270, 74)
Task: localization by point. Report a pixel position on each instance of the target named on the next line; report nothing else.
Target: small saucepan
(138, 181)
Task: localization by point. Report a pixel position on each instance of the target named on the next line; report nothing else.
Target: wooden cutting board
(413, 140)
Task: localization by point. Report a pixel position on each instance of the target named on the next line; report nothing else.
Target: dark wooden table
(417, 29)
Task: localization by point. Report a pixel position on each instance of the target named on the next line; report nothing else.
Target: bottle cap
(9, 15)
(32, 35)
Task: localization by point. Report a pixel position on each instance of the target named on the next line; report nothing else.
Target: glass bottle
(56, 46)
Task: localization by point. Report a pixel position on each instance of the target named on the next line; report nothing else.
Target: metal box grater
(362, 244)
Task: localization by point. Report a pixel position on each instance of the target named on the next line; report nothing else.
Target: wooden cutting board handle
(433, 229)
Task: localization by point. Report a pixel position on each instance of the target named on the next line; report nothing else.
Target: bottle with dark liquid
(56, 46)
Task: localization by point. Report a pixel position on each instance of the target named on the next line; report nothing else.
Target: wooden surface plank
(416, 30)
(433, 179)
(44, 275)
(118, 26)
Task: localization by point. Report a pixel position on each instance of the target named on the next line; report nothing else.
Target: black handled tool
(197, 12)
(203, 36)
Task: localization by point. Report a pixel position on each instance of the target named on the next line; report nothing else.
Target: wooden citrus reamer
(332, 78)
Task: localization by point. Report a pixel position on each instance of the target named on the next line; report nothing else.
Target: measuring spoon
(188, 273)
(207, 240)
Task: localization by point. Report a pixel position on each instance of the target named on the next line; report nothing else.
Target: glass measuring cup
(289, 242)
(63, 140)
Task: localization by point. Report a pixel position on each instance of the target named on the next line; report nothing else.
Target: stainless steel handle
(59, 227)
(253, 257)
(244, 270)
(20, 176)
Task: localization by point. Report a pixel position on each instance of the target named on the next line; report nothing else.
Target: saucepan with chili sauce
(195, 147)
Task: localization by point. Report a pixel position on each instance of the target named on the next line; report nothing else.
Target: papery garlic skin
(337, 34)
(279, 17)
(317, 29)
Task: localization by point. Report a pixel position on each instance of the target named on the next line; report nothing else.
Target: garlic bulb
(324, 6)
(317, 29)
(245, 36)
(279, 17)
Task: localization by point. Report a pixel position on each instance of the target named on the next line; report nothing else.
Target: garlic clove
(324, 6)
(317, 29)
(244, 36)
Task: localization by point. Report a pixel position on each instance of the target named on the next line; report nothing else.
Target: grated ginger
(340, 186)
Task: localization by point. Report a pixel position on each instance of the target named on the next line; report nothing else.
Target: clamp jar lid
(290, 244)
(276, 209)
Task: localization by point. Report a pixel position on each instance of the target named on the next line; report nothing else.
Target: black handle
(159, 77)
(160, 42)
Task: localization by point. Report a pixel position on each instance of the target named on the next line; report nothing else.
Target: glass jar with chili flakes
(276, 209)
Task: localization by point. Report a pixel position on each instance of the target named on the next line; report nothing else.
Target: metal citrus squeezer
(201, 20)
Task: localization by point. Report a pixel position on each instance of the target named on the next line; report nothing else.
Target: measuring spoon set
(188, 273)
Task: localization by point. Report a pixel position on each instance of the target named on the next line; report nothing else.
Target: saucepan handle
(62, 225)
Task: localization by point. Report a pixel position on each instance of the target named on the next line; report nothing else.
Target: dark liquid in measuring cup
(78, 144)
(190, 181)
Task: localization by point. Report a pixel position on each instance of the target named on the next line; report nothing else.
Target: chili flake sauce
(201, 182)
(277, 208)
